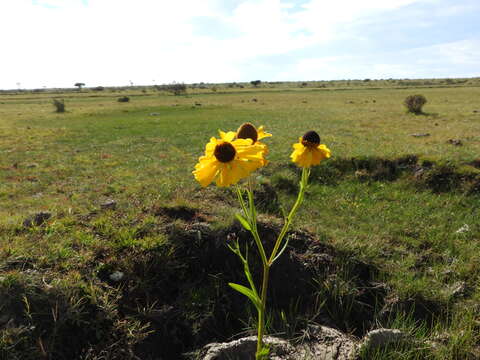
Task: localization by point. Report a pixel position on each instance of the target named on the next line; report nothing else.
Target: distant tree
(79, 85)
(256, 82)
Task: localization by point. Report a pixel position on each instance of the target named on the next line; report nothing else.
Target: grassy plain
(383, 213)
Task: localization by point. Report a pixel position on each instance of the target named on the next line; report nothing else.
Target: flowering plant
(235, 156)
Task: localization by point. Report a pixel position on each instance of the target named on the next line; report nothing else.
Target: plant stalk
(261, 312)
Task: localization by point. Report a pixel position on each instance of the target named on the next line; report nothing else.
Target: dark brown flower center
(247, 131)
(225, 152)
(311, 139)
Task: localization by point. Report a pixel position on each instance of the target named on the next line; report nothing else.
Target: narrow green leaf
(244, 222)
(263, 353)
(248, 293)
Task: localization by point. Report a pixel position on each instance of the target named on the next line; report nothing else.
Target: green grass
(379, 219)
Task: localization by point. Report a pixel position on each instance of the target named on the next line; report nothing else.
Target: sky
(57, 43)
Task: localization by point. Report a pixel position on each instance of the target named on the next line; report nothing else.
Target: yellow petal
(206, 171)
(210, 147)
(261, 133)
(325, 150)
(229, 136)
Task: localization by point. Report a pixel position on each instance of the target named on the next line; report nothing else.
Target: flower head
(249, 131)
(308, 151)
(227, 160)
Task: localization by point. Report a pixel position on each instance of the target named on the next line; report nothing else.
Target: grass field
(389, 234)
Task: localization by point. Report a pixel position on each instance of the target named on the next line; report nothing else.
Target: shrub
(256, 83)
(414, 103)
(123, 99)
(59, 105)
(175, 88)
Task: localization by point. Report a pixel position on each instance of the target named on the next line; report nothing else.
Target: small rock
(116, 276)
(37, 219)
(198, 229)
(31, 166)
(419, 171)
(109, 204)
(244, 349)
(321, 343)
(420, 134)
(455, 142)
(381, 337)
(458, 289)
(155, 114)
(465, 228)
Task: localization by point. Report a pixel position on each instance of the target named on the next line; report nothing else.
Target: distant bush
(98, 88)
(175, 88)
(59, 105)
(256, 82)
(123, 99)
(414, 103)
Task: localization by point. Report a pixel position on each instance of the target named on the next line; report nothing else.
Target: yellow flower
(248, 131)
(227, 160)
(308, 151)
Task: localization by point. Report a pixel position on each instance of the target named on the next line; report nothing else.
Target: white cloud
(105, 42)
(424, 62)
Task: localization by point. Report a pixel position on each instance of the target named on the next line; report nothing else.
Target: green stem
(289, 219)
(261, 312)
(250, 214)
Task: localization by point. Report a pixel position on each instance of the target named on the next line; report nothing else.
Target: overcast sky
(55, 43)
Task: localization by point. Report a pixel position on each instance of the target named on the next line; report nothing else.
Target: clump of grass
(123, 99)
(59, 105)
(414, 103)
